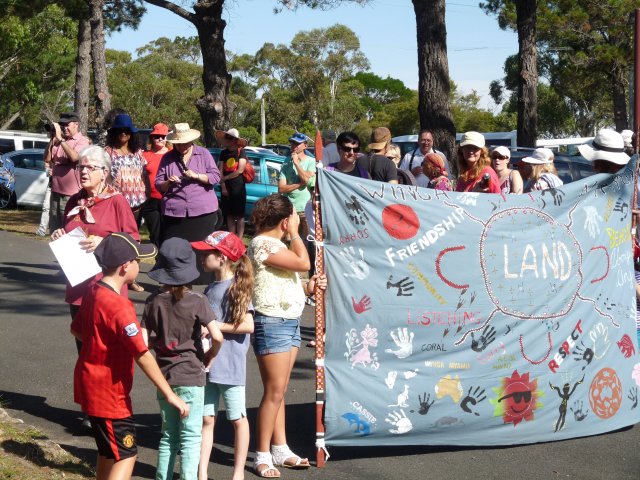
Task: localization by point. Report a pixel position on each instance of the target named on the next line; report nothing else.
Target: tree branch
(172, 7)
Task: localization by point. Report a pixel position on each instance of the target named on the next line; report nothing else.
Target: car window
(273, 172)
(37, 144)
(7, 145)
(29, 161)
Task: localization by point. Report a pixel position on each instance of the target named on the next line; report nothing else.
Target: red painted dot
(400, 221)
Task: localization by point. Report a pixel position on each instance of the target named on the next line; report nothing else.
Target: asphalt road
(37, 356)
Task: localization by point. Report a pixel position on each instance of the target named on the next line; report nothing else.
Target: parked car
(31, 180)
(11, 140)
(267, 167)
(284, 150)
(570, 167)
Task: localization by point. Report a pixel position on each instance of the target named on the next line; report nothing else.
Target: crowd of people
(201, 340)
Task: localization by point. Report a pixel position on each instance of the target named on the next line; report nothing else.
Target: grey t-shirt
(177, 326)
(230, 365)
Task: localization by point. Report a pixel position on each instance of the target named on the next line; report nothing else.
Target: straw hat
(183, 134)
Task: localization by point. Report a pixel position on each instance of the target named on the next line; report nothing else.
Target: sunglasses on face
(499, 157)
(158, 137)
(89, 168)
(350, 149)
(122, 132)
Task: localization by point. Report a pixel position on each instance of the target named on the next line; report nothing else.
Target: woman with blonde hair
(538, 171)
(474, 165)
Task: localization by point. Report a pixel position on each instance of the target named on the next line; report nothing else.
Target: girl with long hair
(538, 171)
(230, 298)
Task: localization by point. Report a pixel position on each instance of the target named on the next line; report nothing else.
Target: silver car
(31, 179)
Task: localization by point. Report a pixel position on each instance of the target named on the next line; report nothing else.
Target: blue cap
(299, 138)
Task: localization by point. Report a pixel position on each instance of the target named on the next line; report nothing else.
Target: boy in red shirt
(111, 340)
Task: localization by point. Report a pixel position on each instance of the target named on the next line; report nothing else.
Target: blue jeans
(180, 434)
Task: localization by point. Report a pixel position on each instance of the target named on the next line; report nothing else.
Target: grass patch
(27, 454)
(21, 221)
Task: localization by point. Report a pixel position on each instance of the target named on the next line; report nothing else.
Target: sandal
(282, 453)
(264, 458)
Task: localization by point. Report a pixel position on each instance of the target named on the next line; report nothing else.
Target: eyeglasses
(90, 168)
(350, 149)
(158, 137)
(499, 157)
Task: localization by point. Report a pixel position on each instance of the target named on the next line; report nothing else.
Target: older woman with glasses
(510, 179)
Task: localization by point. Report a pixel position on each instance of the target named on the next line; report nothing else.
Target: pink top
(64, 179)
(494, 182)
(111, 215)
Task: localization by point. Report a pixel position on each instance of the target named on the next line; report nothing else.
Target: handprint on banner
(583, 353)
(410, 374)
(424, 403)
(403, 285)
(599, 335)
(488, 335)
(592, 221)
(633, 396)
(577, 409)
(359, 268)
(399, 420)
(362, 306)
(474, 398)
(404, 341)
(558, 196)
(355, 210)
(390, 379)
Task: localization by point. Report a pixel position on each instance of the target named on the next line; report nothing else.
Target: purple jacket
(188, 198)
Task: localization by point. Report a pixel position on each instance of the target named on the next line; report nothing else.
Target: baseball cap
(472, 138)
(502, 151)
(380, 137)
(69, 117)
(540, 156)
(226, 242)
(119, 248)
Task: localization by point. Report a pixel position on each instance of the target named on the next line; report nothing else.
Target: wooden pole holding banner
(636, 121)
(319, 294)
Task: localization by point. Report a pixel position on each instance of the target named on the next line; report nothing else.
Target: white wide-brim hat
(540, 156)
(182, 133)
(242, 142)
(607, 145)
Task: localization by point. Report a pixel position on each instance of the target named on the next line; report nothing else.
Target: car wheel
(7, 199)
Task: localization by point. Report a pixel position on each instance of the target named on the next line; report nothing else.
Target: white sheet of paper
(77, 264)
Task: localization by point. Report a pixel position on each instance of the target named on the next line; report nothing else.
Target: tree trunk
(527, 74)
(214, 106)
(619, 95)
(434, 87)
(83, 69)
(102, 97)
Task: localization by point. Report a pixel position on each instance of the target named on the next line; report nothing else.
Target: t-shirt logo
(131, 330)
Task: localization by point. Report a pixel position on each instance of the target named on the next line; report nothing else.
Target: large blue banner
(478, 319)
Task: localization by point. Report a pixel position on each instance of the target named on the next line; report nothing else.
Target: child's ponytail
(240, 291)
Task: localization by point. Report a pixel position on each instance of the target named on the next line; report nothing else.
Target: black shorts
(116, 439)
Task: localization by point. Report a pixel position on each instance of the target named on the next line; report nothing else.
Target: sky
(476, 46)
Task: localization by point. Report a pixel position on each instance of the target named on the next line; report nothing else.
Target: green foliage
(37, 55)
(251, 134)
(161, 85)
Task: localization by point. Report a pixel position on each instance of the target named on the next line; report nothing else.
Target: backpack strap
(412, 157)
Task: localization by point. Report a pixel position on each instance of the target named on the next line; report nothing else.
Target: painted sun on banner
(478, 319)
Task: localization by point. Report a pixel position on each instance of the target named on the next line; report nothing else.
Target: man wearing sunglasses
(61, 157)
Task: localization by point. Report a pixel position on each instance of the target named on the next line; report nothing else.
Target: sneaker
(41, 233)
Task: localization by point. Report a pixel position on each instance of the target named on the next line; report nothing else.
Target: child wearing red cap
(230, 298)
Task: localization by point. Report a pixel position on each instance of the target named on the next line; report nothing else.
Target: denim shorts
(234, 400)
(275, 334)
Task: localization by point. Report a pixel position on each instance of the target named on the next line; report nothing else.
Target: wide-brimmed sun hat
(540, 156)
(182, 133)
(176, 263)
(472, 138)
(232, 132)
(123, 122)
(380, 137)
(607, 145)
(226, 242)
